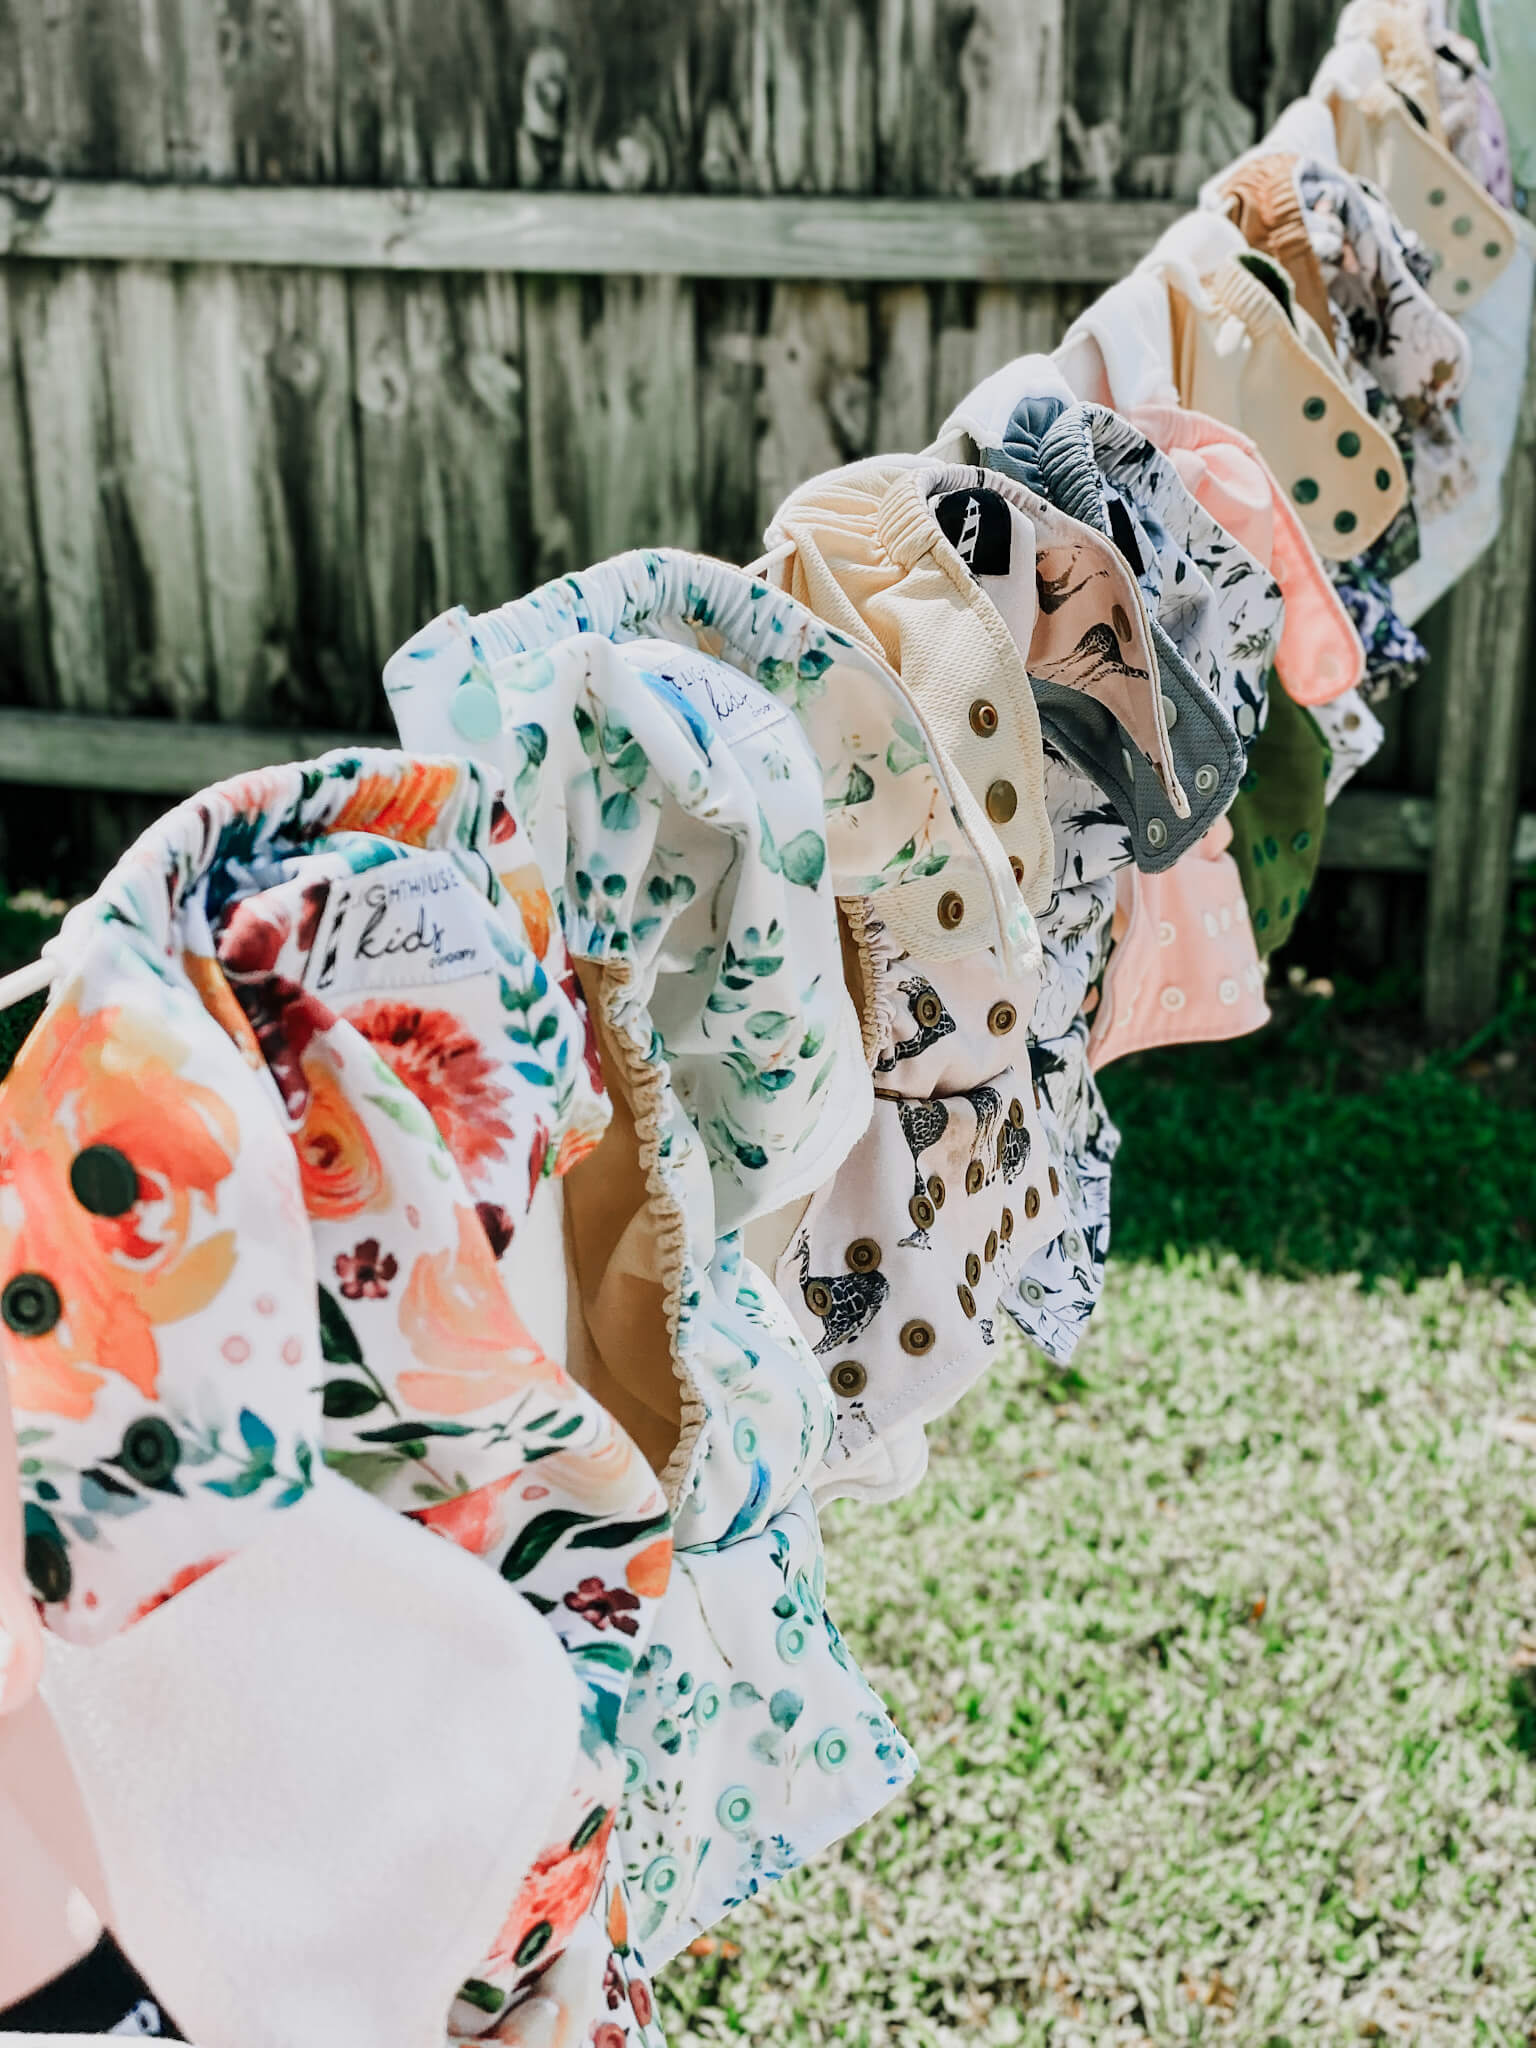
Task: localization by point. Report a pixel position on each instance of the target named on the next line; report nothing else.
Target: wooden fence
(317, 316)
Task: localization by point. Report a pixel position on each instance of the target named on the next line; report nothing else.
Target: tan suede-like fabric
(1242, 360)
(1263, 201)
(625, 1238)
(1468, 233)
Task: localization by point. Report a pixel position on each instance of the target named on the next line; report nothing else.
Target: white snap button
(1157, 832)
(1228, 991)
(1225, 918)
(1244, 720)
(1172, 999)
(1130, 765)
(1212, 928)
(1206, 779)
(1165, 933)
(1170, 713)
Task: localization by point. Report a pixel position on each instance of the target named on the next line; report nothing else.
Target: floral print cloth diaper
(312, 1057)
(671, 730)
(1386, 324)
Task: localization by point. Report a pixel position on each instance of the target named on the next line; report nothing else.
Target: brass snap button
(928, 1009)
(1018, 868)
(984, 718)
(1002, 802)
(972, 1268)
(849, 1378)
(967, 1299)
(916, 1338)
(951, 910)
(920, 1209)
(30, 1304)
(975, 1174)
(1055, 1182)
(863, 1255)
(1001, 1019)
(104, 1180)
(936, 1190)
(1031, 1203)
(1005, 1226)
(991, 1246)
(818, 1298)
(1016, 1114)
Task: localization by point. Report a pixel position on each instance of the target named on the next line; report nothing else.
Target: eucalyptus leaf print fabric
(313, 1056)
(700, 766)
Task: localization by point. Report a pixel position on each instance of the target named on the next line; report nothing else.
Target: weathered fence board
(1479, 776)
(319, 315)
(1086, 241)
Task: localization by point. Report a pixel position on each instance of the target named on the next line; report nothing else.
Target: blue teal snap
(475, 711)
(792, 1640)
(706, 1704)
(744, 1440)
(635, 1768)
(833, 1749)
(734, 1809)
(661, 1876)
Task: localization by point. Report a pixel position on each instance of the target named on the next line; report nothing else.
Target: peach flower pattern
(109, 1079)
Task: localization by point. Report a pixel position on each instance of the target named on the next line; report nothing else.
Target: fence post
(1477, 785)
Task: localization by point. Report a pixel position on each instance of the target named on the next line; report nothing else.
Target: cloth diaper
(1184, 965)
(1320, 654)
(894, 1270)
(1385, 320)
(646, 715)
(1354, 736)
(311, 1056)
(1498, 329)
(1395, 657)
(1221, 612)
(1474, 130)
(1061, 593)
(1469, 238)
(1277, 820)
(1208, 323)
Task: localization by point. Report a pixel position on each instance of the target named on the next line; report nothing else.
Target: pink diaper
(1320, 654)
(1185, 966)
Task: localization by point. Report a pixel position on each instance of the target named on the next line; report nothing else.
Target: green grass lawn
(1213, 1657)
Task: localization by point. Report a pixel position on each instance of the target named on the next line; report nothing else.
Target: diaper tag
(735, 705)
(1124, 533)
(407, 924)
(977, 526)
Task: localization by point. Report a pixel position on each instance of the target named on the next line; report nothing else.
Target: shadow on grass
(1334, 1141)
